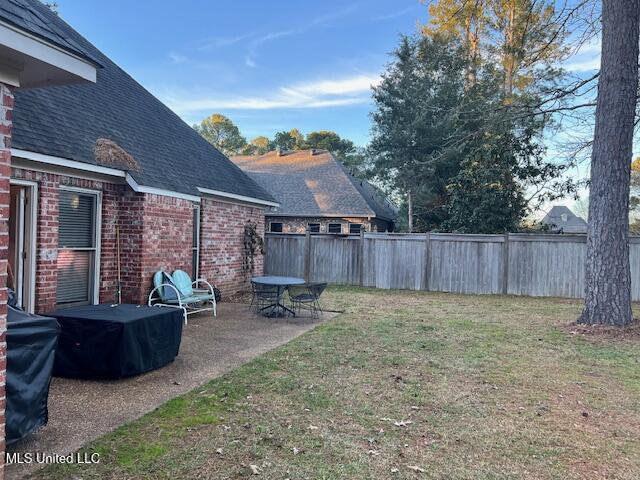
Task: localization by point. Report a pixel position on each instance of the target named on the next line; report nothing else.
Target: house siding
(155, 234)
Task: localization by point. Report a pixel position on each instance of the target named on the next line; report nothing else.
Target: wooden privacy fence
(544, 265)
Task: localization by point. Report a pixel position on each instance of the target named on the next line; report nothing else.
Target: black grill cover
(109, 342)
(31, 345)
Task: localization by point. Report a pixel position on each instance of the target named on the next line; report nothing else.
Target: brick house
(316, 192)
(94, 161)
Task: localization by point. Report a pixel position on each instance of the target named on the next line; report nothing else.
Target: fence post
(361, 257)
(307, 256)
(505, 265)
(427, 261)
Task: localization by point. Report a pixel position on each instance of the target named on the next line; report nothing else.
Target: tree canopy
(222, 133)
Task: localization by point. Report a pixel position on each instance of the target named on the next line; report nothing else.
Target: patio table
(281, 284)
(116, 341)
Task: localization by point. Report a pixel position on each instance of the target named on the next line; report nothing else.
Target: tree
(608, 276)
(222, 134)
(258, 146)
(284, 141)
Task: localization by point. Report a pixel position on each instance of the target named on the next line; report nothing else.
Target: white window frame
(33, 240)
(335, 223)
(97, 233)
(271, 229)
(361, 228)
(196, 230)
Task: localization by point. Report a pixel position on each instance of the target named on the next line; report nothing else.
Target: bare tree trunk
(410, 210)
(608, 276)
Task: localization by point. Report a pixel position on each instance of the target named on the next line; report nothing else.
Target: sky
(268, 65)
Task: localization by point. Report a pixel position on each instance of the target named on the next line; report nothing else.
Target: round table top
(277, 280)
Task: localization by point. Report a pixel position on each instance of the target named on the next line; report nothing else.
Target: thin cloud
(178, 57)
(586, 59)
(220, 42)
(397, 14)
(323, 19)
(317, 94)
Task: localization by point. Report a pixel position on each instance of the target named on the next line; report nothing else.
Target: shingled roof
(561, 218)
(310, 183)
(36, 18)
(67, 121)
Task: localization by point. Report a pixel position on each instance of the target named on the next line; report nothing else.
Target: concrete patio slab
(82, 410)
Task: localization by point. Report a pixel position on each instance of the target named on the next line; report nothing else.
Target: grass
(403, 385)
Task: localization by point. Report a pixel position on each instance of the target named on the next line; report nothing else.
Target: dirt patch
(630, 332)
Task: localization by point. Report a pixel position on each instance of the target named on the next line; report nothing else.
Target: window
(275, 227)
(78, 233)
(355, 228)
(314, 227)
(195, 245)
(335, 228)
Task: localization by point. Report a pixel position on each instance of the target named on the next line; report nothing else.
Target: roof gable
(314, 183)
(67, 121)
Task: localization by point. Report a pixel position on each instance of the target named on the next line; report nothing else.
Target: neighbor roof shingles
(307, 184)
(65, 121)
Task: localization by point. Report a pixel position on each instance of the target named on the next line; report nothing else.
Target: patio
(80, 411)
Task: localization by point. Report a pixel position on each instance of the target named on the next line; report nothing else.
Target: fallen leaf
(402, 423)
(254, 469)
(415, 468)
(219, 451)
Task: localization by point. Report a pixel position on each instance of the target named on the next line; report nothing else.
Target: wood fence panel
(394, 261)
(547, 266)
(285, 255)
(538, 264)
(466, 263)
(335, 259)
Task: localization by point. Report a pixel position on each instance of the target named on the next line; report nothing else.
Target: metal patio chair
(178, 291)
(264, 296)
(307, 297)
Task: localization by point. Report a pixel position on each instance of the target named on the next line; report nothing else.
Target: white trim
(33, 240)
(35, 47)
(242, 198)
(136, 187)
(271, 227)
(98, 236)
(64, 162)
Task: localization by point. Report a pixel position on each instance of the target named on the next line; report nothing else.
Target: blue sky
(268, 65)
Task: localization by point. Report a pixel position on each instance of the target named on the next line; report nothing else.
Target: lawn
(403, 385)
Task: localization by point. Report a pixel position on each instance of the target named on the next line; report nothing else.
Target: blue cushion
(182, 280)
(168, 294)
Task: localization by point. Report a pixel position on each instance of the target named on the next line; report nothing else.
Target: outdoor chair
(178, 291)
(264, 296)
(307, 297)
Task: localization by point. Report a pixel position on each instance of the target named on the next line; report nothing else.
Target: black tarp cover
(31, 345)
(110, 342)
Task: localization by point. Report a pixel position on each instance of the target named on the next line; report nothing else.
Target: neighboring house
(316, 192)
(561, 219)
(94, 162)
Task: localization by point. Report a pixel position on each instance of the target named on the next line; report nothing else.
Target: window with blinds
(76, 247)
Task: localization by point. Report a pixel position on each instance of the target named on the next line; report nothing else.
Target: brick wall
(222, 243)
(6, 121)
(155, 234)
